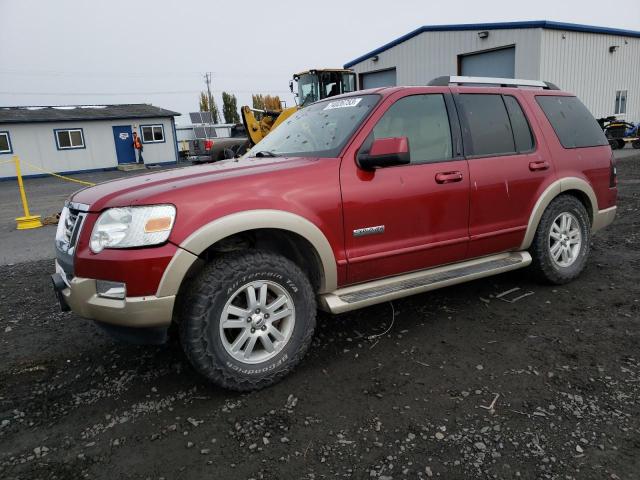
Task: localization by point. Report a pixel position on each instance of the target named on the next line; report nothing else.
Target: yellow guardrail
(29, 221)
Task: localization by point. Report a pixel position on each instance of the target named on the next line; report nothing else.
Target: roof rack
(500, 82)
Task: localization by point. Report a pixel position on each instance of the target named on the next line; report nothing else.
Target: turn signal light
(159, 224)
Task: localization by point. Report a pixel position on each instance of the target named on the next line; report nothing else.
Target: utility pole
(207, 81)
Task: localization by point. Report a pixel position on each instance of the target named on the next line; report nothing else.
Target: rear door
(410, 217)
(507, 168)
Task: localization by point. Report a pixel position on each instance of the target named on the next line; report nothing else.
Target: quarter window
(521, 130)
(69, 139)
(424, 121)
(5, 143)
(571, 120)
(487, 129)
(152, 133)
(621, 102)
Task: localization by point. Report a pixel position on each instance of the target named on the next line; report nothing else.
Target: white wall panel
(581, 63)
(433, 54)
(35, 143)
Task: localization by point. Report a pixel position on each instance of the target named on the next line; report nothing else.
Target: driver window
(424, 121)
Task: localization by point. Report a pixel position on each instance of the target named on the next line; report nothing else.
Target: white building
(600, 65)
(81, 138)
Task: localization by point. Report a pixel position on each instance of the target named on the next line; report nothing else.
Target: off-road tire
(543, 266)
(201, 311)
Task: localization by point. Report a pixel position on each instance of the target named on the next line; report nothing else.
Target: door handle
(540, 165)
(448, 177)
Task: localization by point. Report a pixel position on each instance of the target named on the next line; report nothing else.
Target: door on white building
(123, 137)
(383, 78)
(500, 63)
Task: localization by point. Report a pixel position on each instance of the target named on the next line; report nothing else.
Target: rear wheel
(560, 247)
(249, 319)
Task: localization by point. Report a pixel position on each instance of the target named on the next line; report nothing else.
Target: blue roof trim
(575, 27)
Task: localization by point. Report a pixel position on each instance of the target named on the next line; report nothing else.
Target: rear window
(571, 120)
(521, 131)
(487, 129)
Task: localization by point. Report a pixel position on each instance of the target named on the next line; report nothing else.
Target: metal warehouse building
(600, 65)
(80, 138)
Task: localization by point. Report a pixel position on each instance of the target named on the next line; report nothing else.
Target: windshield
(319, 130)
(308, 88)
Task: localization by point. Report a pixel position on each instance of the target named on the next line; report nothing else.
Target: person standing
(137, 147)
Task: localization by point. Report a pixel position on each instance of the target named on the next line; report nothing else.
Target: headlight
(132, 227)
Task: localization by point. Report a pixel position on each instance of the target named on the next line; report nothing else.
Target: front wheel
(248, 320)
(560, 247)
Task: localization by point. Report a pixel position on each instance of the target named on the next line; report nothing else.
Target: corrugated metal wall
(576, 61)
(433, 54)
(581, 63)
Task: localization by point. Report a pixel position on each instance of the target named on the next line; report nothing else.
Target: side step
(378, 291)
(127, 167)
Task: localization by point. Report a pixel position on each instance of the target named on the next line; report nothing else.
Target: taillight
(208, 144)
(613, 173)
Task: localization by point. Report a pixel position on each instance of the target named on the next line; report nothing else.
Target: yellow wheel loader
(313, 85)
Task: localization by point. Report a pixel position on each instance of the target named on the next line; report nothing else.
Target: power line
(177, 92)
(49, 73)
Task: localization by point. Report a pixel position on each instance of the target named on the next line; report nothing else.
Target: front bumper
(80, 295)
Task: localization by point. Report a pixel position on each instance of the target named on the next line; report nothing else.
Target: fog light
(108, 289)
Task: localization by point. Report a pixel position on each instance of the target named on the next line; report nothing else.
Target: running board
(378, 291)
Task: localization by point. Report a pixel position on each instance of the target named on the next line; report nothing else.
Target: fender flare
(551, 192)
(196, 243)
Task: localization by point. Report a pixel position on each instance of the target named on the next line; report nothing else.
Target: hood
(161, 187)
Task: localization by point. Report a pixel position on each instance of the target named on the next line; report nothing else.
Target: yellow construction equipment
(312, 85)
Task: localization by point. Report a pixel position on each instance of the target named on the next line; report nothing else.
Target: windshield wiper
(265, 153)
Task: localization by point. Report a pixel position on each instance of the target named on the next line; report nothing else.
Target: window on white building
(621, 102)
(152, 133)
(69, 139)
(5, 143)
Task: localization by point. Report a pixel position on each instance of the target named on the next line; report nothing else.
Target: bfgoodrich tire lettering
(560, 246)
(260, 295)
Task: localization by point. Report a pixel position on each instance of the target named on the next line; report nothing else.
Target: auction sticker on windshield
(347, 102)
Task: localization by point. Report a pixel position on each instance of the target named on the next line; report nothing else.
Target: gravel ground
(452, 384)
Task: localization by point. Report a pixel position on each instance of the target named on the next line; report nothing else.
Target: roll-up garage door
(384, 78)
(494, 63)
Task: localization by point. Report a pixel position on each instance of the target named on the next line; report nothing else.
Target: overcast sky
(144, 51)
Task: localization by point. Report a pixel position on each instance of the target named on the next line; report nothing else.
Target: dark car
(213, 148)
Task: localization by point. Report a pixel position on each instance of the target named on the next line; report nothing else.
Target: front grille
(70, 227)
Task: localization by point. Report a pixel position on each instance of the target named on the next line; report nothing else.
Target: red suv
(353, 201)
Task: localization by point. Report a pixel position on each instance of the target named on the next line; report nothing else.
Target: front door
(123, 138)
(410, 217)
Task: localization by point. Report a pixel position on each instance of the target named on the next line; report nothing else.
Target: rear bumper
(603, 218)
(80, 295)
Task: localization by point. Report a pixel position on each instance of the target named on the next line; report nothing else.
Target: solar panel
(200, 132)
(206, 117)
(195, 117)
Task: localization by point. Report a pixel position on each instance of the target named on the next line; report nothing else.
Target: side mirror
(385, 152)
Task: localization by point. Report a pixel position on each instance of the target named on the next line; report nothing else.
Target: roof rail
(501, 82)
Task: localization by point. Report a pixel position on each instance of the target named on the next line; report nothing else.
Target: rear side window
(521, 130)
(487, 130)
(571, 120)
(424, 121)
